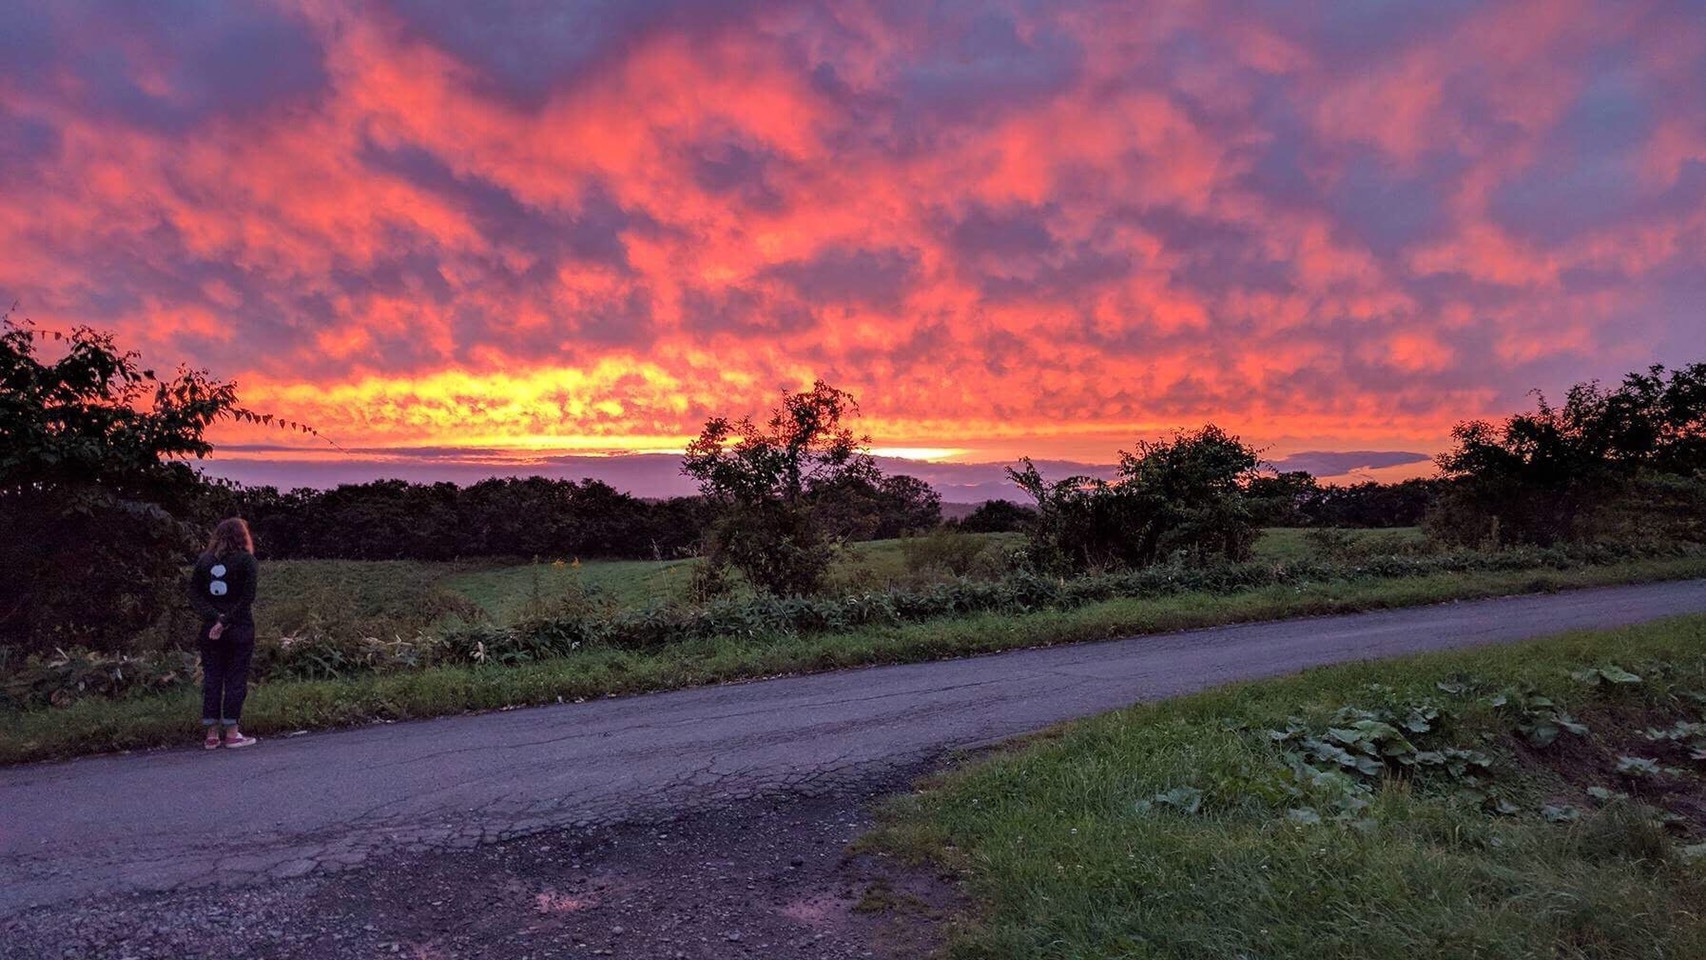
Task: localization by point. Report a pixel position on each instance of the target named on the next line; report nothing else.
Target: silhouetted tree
(1625, 460)
(998, 516)
(858, 507)
(762, 482)
(510, 517)
(1282, 499)
(89, 484)
(1183, 496)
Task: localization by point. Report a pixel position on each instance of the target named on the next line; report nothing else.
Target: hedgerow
(73, 674)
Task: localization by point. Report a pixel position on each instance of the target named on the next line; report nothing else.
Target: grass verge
(1500, 802)
(95, 726)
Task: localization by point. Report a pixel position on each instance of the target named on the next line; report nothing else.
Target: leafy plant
(1536, 717)
(1337, 766)
(1638, 768)
(1184, 799)
(1612, 674)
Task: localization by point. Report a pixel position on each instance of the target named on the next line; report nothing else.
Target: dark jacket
(223, 588)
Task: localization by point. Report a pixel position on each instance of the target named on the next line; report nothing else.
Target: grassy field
(401, 598)
(358, 597)
(1503, 802)
(509, 593)
(1289, 544)
(97, 725)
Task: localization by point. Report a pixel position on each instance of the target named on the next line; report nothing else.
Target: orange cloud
(1008, 230)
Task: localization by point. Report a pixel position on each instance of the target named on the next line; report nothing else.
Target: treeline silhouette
(100, 507)
(1297, 499)
(527, 517)
(502, 517)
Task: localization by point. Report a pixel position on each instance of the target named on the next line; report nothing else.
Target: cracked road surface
(326, 802)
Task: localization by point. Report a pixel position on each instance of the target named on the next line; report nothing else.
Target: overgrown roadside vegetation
(148, 716)
(1536, 800)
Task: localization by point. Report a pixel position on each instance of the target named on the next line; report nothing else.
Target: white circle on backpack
(217, 588)
(218, 570)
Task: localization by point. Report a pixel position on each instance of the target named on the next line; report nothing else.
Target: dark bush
(1179, 497)
(769, 486)
(998, 516)
(1606, 462)
(90, 493)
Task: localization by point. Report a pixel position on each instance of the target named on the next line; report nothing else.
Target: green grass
(508, 593)
(402, 597)
(386, 598)
(1291, 544)
(91, 726)
(1066, 852)
(361, 598)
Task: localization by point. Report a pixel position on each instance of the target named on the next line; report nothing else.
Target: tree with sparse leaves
(763, 481)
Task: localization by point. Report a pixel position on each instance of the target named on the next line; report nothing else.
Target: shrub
(93, 491)
(998, 516)
(1183, 497)
(67, 676)
(1604, 461)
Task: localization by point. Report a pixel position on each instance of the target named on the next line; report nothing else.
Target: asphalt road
(290, 806)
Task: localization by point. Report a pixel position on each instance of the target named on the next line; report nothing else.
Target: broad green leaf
(1303, 815)
(1186, 799)
(1638, 766)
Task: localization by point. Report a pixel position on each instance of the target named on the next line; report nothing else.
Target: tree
(1372, 504)
(1183, 496)
(517, 517)
(91, 475)
(855, 507)
(762, 482)
(1579, 470)
(1575, 471)
(1280, 499)
(998, 516)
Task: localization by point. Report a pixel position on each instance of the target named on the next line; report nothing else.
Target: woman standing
(222, 590)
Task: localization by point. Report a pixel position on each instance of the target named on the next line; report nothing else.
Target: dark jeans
(225, 673)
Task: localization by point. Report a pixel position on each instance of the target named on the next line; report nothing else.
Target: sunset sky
(546, 229)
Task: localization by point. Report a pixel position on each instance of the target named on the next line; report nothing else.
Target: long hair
(231, 535)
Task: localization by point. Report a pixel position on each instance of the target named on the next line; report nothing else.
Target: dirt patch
(768, 878)
(1573, 765)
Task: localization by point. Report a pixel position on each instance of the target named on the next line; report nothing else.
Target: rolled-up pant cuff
(208, 723)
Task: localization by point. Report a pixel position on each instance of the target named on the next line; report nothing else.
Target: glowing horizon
(1008, 229)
